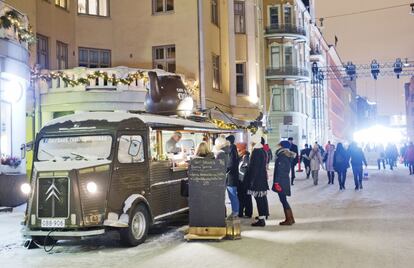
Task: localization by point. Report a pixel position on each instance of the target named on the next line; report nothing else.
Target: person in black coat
(232, 179)
(304, 157)
(294, 149)
(258, 185)
(245, 200)
(341, 164)
(281, 183)
(357, 160)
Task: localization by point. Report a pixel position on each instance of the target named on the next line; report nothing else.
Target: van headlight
(25, 188)
(91, 187)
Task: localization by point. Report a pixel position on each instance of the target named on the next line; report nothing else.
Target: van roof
(149, 119)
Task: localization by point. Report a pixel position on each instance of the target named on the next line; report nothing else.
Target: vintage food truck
(100, 171)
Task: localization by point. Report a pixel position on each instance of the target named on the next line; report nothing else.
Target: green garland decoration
(12, 18)
(128, 80)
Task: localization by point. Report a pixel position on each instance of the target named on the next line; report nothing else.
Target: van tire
(138, 226)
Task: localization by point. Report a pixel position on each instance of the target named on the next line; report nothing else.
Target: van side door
(130, 170)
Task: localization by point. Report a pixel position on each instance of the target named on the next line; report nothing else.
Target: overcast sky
(383, 35)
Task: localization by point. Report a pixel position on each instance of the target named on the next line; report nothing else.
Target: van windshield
(75, 148)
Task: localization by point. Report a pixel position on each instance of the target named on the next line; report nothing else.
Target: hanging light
(398, 65)
(406, 63)
(412, 8)
(350, 69)
(321, 23)
(375, 69)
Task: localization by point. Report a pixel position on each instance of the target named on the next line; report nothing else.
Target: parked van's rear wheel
(137, 231)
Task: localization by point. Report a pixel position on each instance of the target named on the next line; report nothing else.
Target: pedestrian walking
(245, 200)
(341, 164)
(357, 161)
(409, 156)
(315, 163)
(403, 151)
(293, 148)
(391, 152)
(281, 183)
(304, 157)
(258, 185)
(232, 177)
(379, 149)
(329, 162)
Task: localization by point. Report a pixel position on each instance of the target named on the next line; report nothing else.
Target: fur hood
(286, 152)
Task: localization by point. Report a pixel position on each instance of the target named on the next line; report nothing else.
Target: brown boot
(289, 218)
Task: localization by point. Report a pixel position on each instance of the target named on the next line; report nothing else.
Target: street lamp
(350, 69)
(398, 65)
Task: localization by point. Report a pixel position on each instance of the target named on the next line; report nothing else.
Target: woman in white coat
(315, 163)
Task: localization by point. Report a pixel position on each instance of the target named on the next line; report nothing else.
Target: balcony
(291, 31)
(288, 73)
(61, 90)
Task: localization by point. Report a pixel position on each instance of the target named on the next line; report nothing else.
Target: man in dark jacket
(293, 148)
(281, 183)
(232, 179)
(304, 157)
(357, 160)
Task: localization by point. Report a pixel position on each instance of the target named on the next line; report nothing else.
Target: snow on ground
(370, 228)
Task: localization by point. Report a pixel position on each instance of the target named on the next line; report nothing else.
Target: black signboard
(207, 186)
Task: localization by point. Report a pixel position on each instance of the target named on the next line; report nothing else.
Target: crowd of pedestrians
(247, 170)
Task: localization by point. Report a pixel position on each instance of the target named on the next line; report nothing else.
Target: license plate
(53, 223)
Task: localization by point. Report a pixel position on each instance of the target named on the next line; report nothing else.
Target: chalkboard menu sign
(207, 186)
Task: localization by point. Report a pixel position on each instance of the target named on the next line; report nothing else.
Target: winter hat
(231, 139)
(285, 144)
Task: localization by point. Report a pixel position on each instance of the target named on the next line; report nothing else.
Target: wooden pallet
(206, 233)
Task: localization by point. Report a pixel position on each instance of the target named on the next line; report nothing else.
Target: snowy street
(369, 228)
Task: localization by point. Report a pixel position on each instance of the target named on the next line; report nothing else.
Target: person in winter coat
(281, 183)
(315, 163)
(221, 151)
(409, 156)
(232, 179)
(379, 149)
(329, 162)
(245, 200)
(203, 151)
(294, 149)
(357, 161)
(391, 152)
(258, 185)
(304, 157)
(341, 164)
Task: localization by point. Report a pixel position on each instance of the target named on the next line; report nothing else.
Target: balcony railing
(287, 71)
(315, 52)
(285, 29)
(18, 30)
(64, 81)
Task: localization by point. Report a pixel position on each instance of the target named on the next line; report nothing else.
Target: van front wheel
(138, 226)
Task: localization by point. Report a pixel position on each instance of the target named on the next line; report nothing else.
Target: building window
(61, 3)
(275, 57)
(162, 6)
(62, 55)
(43, 51)
(288, 56)
(290, 100)
(216, 72)
(163, 57)
(277, 100)
(215, 12)
(274, 17)
(241, 78)
(287, 13)
(239, 17)
(94, 7)
(94, 58)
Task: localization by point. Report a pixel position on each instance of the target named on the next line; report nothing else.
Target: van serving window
(131, 149)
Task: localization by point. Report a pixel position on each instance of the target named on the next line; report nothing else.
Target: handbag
(277, 188)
